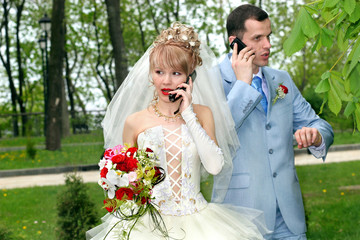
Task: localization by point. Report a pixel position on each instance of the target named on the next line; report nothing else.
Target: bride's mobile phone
(240, 44)
(172, 97)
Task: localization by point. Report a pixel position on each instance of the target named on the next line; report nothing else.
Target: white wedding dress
(186, 213)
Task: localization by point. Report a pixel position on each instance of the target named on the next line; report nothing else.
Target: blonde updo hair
(177, 47)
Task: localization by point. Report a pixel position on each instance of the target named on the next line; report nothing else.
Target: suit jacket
(264, 170)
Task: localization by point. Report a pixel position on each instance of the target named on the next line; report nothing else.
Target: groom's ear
(231, 39)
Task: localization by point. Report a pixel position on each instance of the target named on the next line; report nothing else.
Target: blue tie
(256, 83)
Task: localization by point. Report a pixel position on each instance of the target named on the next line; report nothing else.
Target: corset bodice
(179, 194)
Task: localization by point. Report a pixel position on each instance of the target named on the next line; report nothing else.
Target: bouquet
(128, 174)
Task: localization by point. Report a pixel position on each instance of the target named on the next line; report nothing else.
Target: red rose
(118, 158)
(131, 164)
(111, 208)
(127, 164)
(103, 172)
(131, 151)
(108, 153)
(284, 88)
(124, 192)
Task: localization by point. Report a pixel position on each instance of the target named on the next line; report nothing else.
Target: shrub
(6, 234)
(30, 148)
(76, 213)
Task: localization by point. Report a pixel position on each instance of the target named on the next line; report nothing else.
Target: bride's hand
(186, 95)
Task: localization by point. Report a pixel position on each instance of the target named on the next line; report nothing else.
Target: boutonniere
(281, 91)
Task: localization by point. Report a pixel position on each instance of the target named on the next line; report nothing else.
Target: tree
(117, 40)
(6, 61)
(335, 22)
(55, 97)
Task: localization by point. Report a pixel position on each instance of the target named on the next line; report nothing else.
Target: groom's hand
(242, 64)
(306, 137)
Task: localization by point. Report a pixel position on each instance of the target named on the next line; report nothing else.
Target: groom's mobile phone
(172, 97)
(240, 44)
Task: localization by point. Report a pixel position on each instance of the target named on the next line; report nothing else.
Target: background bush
(6, 234)
(76, 212)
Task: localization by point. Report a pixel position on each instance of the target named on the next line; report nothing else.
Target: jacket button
(271, 151)
(268, 126)
(274, 174)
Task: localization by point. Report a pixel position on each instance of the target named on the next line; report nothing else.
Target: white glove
(210, 154)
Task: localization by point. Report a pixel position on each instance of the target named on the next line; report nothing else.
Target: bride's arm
(204, 137)
(129, 132)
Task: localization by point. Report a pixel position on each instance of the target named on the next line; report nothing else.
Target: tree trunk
(65, 123)
(7, 65)
(53, 129)
(20, 98)
(117, 41)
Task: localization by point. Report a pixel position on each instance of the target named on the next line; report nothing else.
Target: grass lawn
(76, 150)
(332, 211)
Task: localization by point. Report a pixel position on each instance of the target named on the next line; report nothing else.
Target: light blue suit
(264, 171)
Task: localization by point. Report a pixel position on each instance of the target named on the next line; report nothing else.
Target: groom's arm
(305, 116)
(242, 99)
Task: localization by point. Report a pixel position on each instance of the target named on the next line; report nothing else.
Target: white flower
(102, 163)
(192, 44)
(170, 37)
(132, 176)
(107, 186)
(116, 179)
(184, 37)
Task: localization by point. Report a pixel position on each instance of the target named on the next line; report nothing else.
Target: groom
(267, 112)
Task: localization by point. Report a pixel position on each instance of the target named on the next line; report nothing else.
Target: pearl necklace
(166, 118)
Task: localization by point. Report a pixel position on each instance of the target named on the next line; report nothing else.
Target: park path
(336, 154)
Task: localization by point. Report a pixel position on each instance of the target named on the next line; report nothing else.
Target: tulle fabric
(215, 222)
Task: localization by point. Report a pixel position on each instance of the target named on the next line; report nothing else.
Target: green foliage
(328, 23)
(30, 149)
(6, 234)
(76, 211)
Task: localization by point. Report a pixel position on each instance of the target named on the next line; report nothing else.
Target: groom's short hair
(235, 23)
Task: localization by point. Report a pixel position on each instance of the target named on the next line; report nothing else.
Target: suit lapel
(271, 84)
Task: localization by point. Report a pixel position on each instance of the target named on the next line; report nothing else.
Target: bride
(172, 102)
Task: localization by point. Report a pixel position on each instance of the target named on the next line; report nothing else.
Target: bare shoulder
(133, 125)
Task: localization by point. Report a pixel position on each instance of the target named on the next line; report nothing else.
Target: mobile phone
(240, 44)
(172, 97)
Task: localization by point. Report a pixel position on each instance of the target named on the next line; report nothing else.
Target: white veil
(136, 93)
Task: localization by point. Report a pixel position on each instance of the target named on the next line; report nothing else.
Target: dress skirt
(214, 222)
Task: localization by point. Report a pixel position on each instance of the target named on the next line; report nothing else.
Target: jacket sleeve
(305, 116)
(242, 99)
